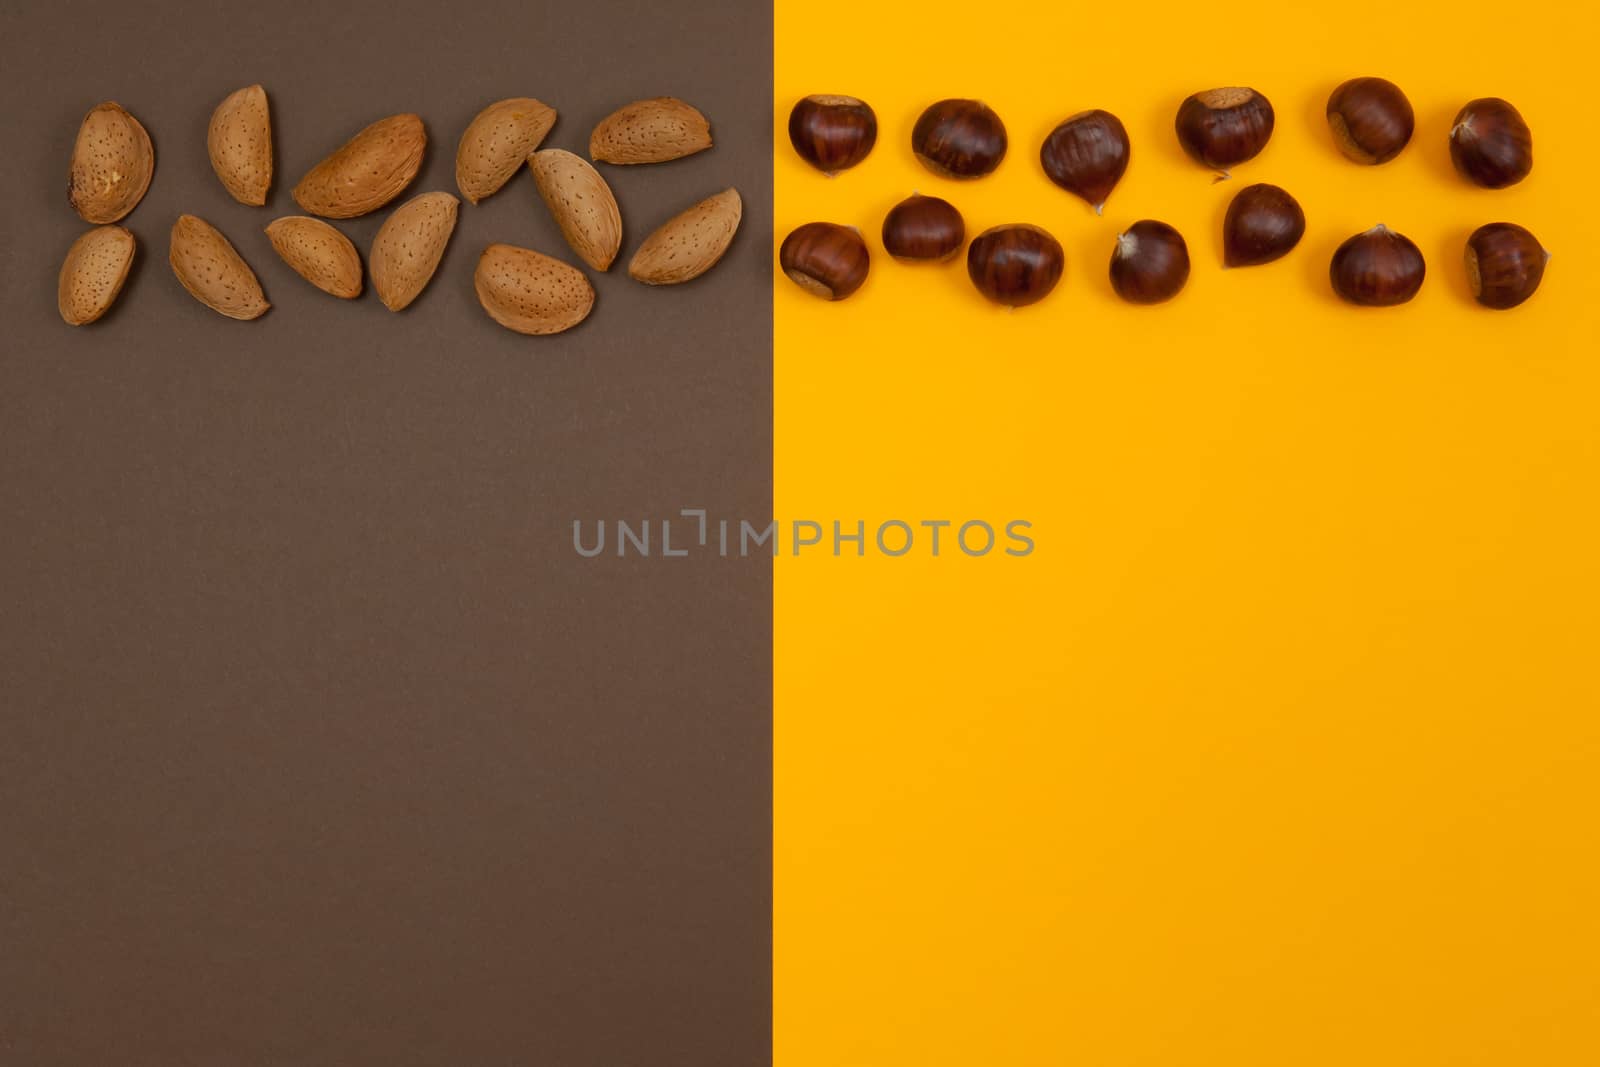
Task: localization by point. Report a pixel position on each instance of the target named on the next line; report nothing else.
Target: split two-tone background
(319, 744)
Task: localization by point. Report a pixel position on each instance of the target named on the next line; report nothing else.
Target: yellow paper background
(1281, 749)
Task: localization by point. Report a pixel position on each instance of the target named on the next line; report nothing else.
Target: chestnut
(959, 139)
(1015, 265)
(922, 229)
(832, 133)
(1371, 120)
(1150, 263)
(1379, 268)
(1490, 144)
(1263, 223)
(1505, 264)
(1087, 155)
(1223, 127)
(825, 259)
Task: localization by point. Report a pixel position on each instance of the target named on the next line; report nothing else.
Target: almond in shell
(530, 292)
(497, 142)
(367, 171)
(318, 253)
(239, 141)
(408, 248)
(212, 271)
(650, 131)
(582, 204)
(91, 277)
(689, 244)
(112, 161)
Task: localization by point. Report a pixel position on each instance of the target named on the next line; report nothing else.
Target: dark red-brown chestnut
(1371, 120)
(1490, 144)
(1015, 265)
(1262, 224)
(1505, 264)
(1087, 155)
(959, 139)
(1378, 268)
(923, 229)
(832, 133)
(1150, 263)
(1221, 128)
(825, 259)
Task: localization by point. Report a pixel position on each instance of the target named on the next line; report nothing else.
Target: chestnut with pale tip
(832, 133)
(1378, 268)
(1490, 144)
(825, 259)
(1087, 155)
(1505, 264)
(1015, 265)
(923, 229)
(959, 139)
(1150, 263)
(1221, 128)
(1263, 223)
(1371, 120)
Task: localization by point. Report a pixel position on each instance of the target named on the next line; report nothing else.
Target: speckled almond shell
(530, 292)
(318, 253)
(212, 271)
(689, 244)
(408, 248)
(92, 275)
(112, 161)
(239, 142)
(367, 171)
(582, 204)
(497, 142)
(650, 131)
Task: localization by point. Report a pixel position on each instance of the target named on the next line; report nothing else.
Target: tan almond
(408, 248)
(530, 292)
(239, 142)
(497, 142)
(582, 204)
(690, 243)
(367, 171)
(650, 131)
(112, 161)
(212, 271)
(92, 275)
(318, 253)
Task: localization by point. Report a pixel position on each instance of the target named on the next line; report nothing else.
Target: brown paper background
(319, 745)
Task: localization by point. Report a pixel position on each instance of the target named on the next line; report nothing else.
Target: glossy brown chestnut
(1379, 268)
(1263, 223)
(1490, 144)
(1505, 264)
(1371, 120)
(1015, 265)
(1224, 127)
(832, 133)
(959, 139)
(825, 259)
(1087, 155)
(923, 229)
(1150, 263)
